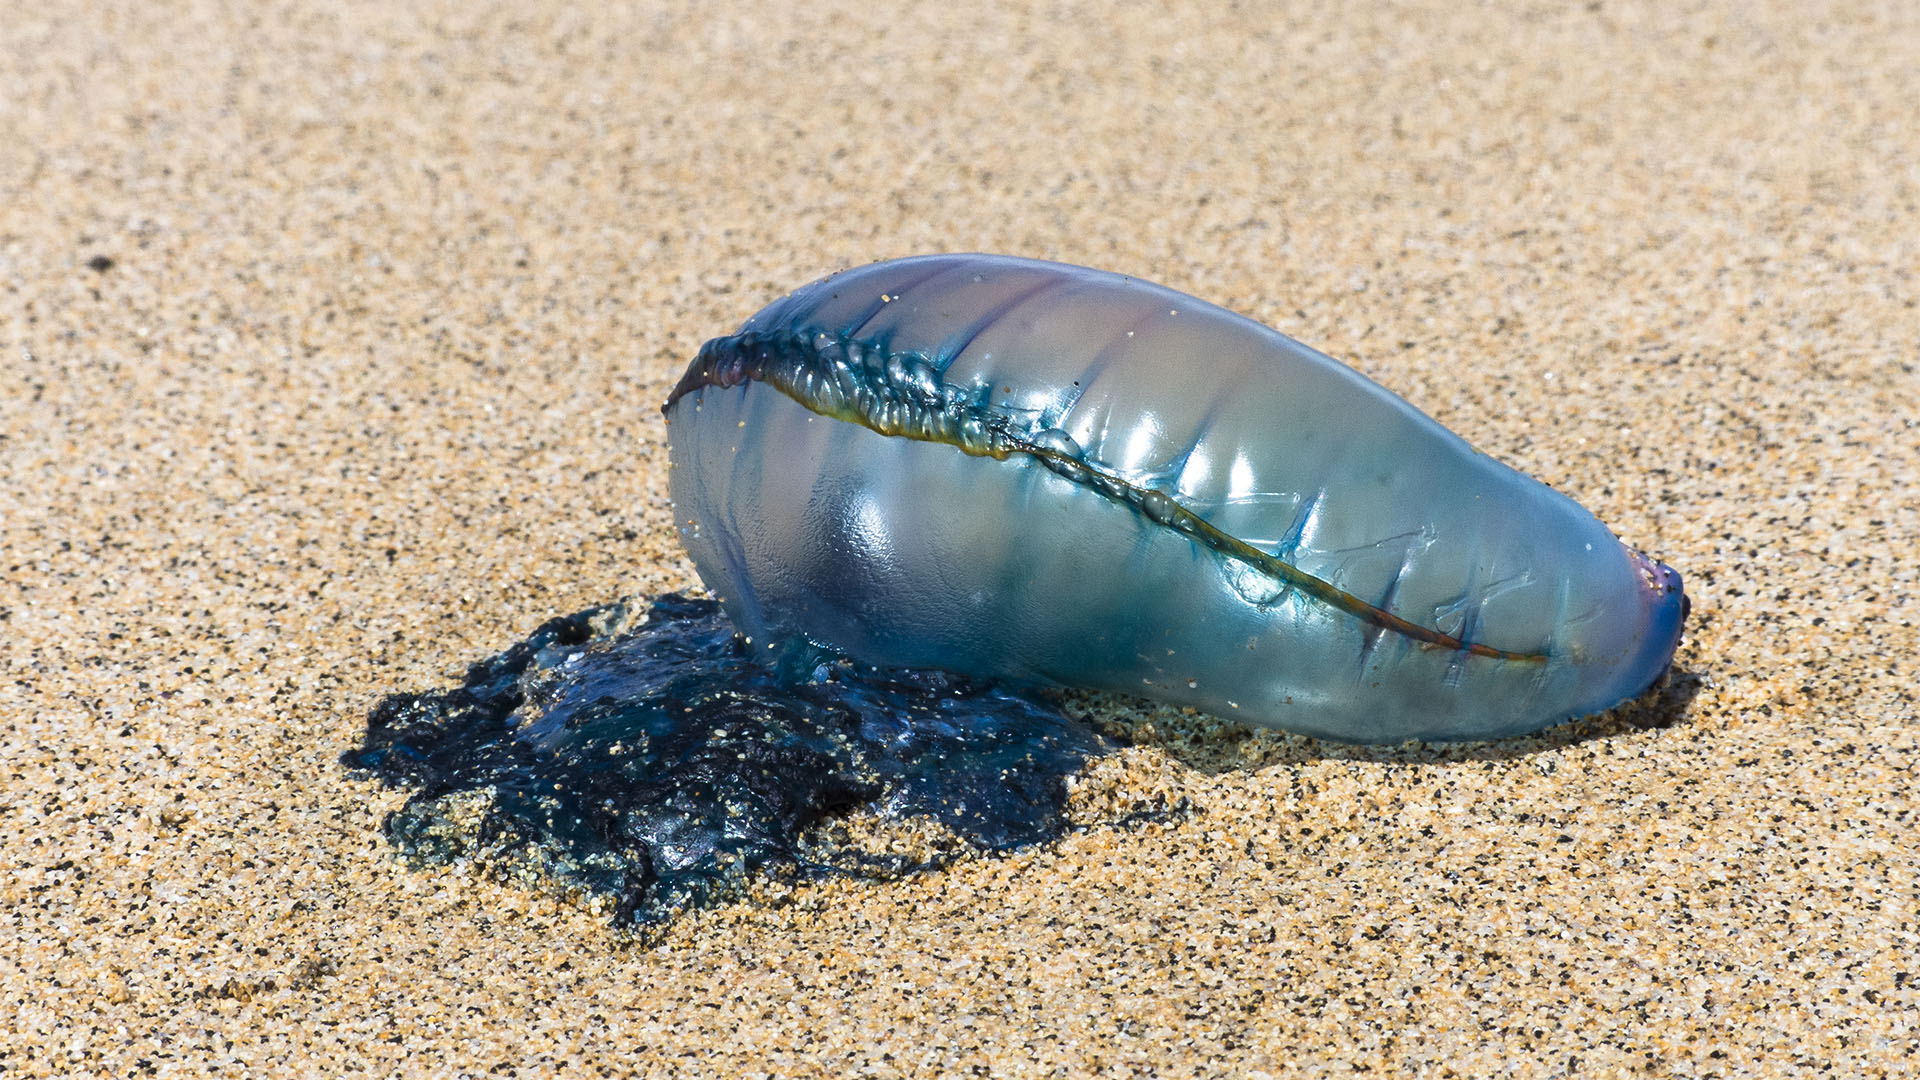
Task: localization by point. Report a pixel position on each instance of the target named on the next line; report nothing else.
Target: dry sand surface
(334, 342)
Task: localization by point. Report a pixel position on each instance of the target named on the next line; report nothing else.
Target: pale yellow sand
(371, 389)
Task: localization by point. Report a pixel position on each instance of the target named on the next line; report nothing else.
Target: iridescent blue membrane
(1056, 475)
(662, 768)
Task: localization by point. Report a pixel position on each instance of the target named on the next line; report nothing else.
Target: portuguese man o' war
(1054, 475)
(1034, 473)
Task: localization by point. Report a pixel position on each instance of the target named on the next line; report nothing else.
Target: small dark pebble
(663, 768)
(100, 264)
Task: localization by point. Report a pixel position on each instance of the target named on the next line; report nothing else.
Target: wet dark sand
(333, 342)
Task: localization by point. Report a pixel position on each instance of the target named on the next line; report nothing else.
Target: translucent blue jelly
(1051, 474)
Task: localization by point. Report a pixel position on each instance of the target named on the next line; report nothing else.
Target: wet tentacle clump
(652, 763)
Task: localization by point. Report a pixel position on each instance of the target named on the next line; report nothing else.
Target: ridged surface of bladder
(1053, 474)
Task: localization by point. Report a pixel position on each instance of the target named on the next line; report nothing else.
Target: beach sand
(334, 339)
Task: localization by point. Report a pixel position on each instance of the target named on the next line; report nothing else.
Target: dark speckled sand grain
(333, 342)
